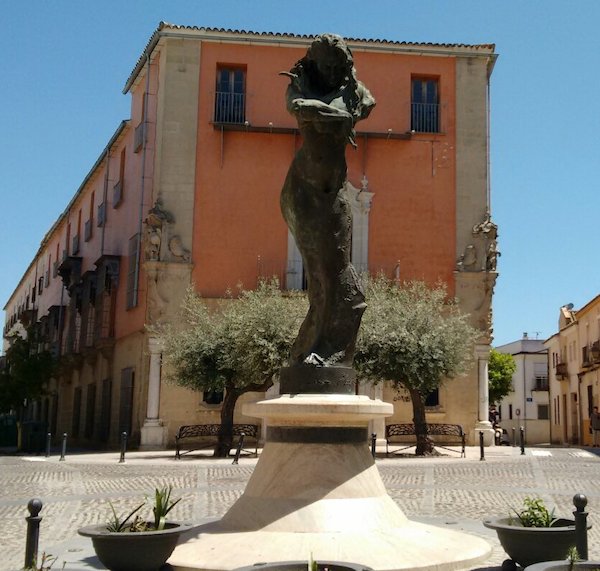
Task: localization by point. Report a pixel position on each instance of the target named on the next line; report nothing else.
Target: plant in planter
(534, 535)
(132, 543)
(572, 563)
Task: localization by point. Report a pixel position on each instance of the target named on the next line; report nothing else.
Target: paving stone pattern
(449, 492)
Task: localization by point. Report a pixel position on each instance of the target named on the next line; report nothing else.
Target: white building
(527, 405)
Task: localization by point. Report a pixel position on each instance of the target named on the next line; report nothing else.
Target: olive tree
(415, 337)
(501, 368)
(237, 347)
(25, 374)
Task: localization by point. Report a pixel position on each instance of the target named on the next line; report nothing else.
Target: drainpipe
(141, 214)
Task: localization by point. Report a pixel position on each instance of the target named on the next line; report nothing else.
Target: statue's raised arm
(327, 101)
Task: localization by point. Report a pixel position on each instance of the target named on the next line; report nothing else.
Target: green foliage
(162, 506)
(535, 513)
(118, 524)
(412, 335)
(241, 344)
(572, 557)
(501, 368)
(26, 374)
(46, 563)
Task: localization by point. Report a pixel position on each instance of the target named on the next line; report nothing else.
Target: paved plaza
(445, 491)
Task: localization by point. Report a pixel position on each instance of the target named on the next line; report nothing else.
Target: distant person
(595, 427)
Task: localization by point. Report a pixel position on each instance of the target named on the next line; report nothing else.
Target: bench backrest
(192, 430)
(435, 429)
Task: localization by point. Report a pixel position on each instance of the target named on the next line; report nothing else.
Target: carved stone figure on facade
(327, 101)
(178, 250)
(489, 232)
(492, 256)
(156, 221)
(468, 259)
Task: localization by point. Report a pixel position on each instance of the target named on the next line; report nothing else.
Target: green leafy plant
(162, 506)
(535, 513)
(572, 557)
(46, 563)
(118, 524)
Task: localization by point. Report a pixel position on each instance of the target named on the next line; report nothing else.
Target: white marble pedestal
(316, 492)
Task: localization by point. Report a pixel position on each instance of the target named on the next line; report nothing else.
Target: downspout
(141, 214)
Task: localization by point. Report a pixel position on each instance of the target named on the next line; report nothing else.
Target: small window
(132, 275)
(213, 397)
(433, 398)
(230, 95)
(543, 412)
(101, 215)
(425, 105)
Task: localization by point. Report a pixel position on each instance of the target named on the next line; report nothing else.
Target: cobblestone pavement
(444, 491)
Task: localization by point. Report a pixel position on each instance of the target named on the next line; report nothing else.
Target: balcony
(562, 372)
(425, 117)
(230, 107)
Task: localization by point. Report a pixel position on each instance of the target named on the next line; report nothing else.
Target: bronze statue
(327, 101)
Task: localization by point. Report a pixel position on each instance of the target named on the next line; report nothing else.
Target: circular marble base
(316, 492)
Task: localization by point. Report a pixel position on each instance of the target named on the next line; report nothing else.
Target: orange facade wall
(237, 221)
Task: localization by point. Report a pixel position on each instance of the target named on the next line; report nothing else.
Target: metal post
(514, 436)
(63, 449)
(123, 447)
(33, 533)
(481, 450)
(373, 444)
(581, 540)
(48, 443)
(238, 450)
(522, 433)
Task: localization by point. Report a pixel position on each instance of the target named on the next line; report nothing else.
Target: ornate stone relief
(482, 254)
(160, 245)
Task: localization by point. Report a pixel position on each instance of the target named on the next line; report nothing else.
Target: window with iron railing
(425, 105)
(541, 383)
(230, 95)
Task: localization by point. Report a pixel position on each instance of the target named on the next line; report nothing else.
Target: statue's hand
(316, 109)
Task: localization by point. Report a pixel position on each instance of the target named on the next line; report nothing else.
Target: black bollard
(238, 450)
(123, 447)
(63, 449)
(48, 443)
(522, 434)
(514, 436)
(481, 451)
(33, 533)
(581, 540)
(373, 444)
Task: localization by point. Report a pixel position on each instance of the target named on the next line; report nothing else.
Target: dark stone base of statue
(319, 380)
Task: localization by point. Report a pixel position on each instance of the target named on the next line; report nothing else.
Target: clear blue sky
(64, 64)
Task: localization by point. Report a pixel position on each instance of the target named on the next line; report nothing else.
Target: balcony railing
(425, 117)
(541, 383)
(561, 371)
(230, 107)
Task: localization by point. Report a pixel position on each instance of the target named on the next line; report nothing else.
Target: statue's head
(331, 59)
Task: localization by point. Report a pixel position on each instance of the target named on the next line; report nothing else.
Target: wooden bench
(209, 433)
(443, 435)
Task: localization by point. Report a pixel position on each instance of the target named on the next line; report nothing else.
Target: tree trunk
(424, 443)
(225, 438)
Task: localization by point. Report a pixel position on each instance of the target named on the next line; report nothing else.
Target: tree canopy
(501, 368)
(26, 373)
(238, 347)
(415, 337)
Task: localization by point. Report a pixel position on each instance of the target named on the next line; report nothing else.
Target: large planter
(529, 545)
(565, 566)
(134, 551)
(303, 566)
